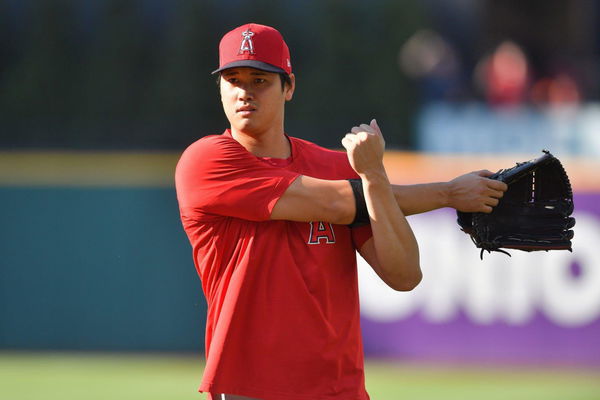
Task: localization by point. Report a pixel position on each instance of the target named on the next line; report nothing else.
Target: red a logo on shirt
(321, 231)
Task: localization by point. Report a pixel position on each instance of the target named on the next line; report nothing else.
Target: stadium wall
(94, 258)
(93, 255)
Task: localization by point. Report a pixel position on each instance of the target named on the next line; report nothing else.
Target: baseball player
(275, 222)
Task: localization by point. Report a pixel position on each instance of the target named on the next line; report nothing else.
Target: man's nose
(245, 92)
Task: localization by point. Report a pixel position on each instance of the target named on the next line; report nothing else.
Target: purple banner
(540, 307)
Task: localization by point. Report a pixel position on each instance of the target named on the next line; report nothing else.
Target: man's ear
(219, 85)
(289, 89)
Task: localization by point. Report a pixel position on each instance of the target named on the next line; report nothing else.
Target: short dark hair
(285, 79)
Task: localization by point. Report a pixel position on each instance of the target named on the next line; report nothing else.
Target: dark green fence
(96, 268)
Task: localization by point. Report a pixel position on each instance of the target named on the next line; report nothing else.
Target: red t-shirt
(283, 310)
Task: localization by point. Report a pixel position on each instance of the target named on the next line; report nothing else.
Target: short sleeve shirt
(283, 310)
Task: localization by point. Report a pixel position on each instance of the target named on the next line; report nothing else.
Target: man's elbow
(406, 283)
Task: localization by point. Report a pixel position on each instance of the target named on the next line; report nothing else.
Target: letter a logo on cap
(247, 44)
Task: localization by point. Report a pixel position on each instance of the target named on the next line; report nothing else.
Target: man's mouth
(245, 110)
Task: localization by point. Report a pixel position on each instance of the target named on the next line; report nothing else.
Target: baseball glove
(534, 213)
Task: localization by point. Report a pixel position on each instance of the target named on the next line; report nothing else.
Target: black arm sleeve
(362, 214)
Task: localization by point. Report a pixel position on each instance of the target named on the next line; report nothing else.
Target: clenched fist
(365, 147)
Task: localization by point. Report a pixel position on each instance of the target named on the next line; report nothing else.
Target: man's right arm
(312, 199)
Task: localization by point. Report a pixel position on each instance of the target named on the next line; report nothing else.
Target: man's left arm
(392, 251)
(471, 192)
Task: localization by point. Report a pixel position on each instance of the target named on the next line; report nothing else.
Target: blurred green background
(136, 73)
(99, 298)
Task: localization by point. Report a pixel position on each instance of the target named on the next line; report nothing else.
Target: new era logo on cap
(256, 46)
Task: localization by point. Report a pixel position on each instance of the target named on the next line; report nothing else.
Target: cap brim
(252, 64)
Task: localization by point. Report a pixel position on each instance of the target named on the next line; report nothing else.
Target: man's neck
(268, 144)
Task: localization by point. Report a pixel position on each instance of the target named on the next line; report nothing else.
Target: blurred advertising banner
(540, 307)
(475, 128)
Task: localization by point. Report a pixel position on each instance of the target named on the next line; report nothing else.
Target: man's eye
(259, 80)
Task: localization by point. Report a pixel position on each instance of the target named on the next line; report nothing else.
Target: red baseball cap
(256, 46)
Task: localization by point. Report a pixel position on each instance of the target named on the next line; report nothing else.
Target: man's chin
(246, 126)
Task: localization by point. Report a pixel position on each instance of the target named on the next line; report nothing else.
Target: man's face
(253, 100)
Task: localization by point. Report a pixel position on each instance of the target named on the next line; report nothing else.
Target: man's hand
(473, 192)
(365, 147)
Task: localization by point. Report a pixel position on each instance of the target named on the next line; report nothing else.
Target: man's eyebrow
(258, 73)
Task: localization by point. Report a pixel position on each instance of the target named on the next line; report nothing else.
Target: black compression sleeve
(362, 214)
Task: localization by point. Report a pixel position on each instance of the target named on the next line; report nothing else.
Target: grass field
(85, 376)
